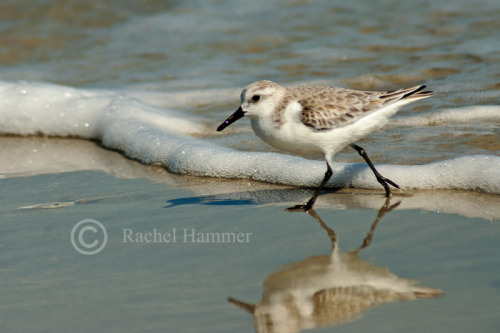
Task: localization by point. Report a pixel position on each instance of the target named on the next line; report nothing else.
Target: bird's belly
(289, 140)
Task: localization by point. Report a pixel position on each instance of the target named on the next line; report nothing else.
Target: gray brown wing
(326, 108)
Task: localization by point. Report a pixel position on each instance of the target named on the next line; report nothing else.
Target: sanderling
(320, 119)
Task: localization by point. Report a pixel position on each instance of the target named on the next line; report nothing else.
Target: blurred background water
(214, 44)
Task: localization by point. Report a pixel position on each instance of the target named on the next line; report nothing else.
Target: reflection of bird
(329, 290)
(312, 120)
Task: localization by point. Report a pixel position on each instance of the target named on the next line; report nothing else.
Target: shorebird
(320, 119)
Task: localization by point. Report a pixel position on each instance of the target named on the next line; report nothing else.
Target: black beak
(232, 118)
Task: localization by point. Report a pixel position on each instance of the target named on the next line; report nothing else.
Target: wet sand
(177, 247)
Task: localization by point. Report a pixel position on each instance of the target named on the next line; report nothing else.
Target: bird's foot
(385, 182)
(300, 208)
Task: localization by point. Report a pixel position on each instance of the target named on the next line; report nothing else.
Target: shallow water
(182, 285)
(151, 80)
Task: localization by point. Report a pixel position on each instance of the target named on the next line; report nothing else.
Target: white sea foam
(166, 137)
(51, 110)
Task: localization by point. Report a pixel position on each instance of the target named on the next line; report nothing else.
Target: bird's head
(258, 99)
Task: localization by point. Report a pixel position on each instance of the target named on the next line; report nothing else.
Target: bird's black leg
(311, 201)
(381, 179)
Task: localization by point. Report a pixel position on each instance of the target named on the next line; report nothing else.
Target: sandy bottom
(177, 247)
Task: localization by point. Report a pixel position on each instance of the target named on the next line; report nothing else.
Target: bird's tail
(425, 292)
(420, 292)
(409, 94)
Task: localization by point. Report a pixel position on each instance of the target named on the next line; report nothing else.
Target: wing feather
(325, 108)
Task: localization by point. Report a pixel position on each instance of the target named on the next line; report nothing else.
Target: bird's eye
(255, 98)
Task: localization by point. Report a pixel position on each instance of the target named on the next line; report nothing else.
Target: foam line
(161, 136)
